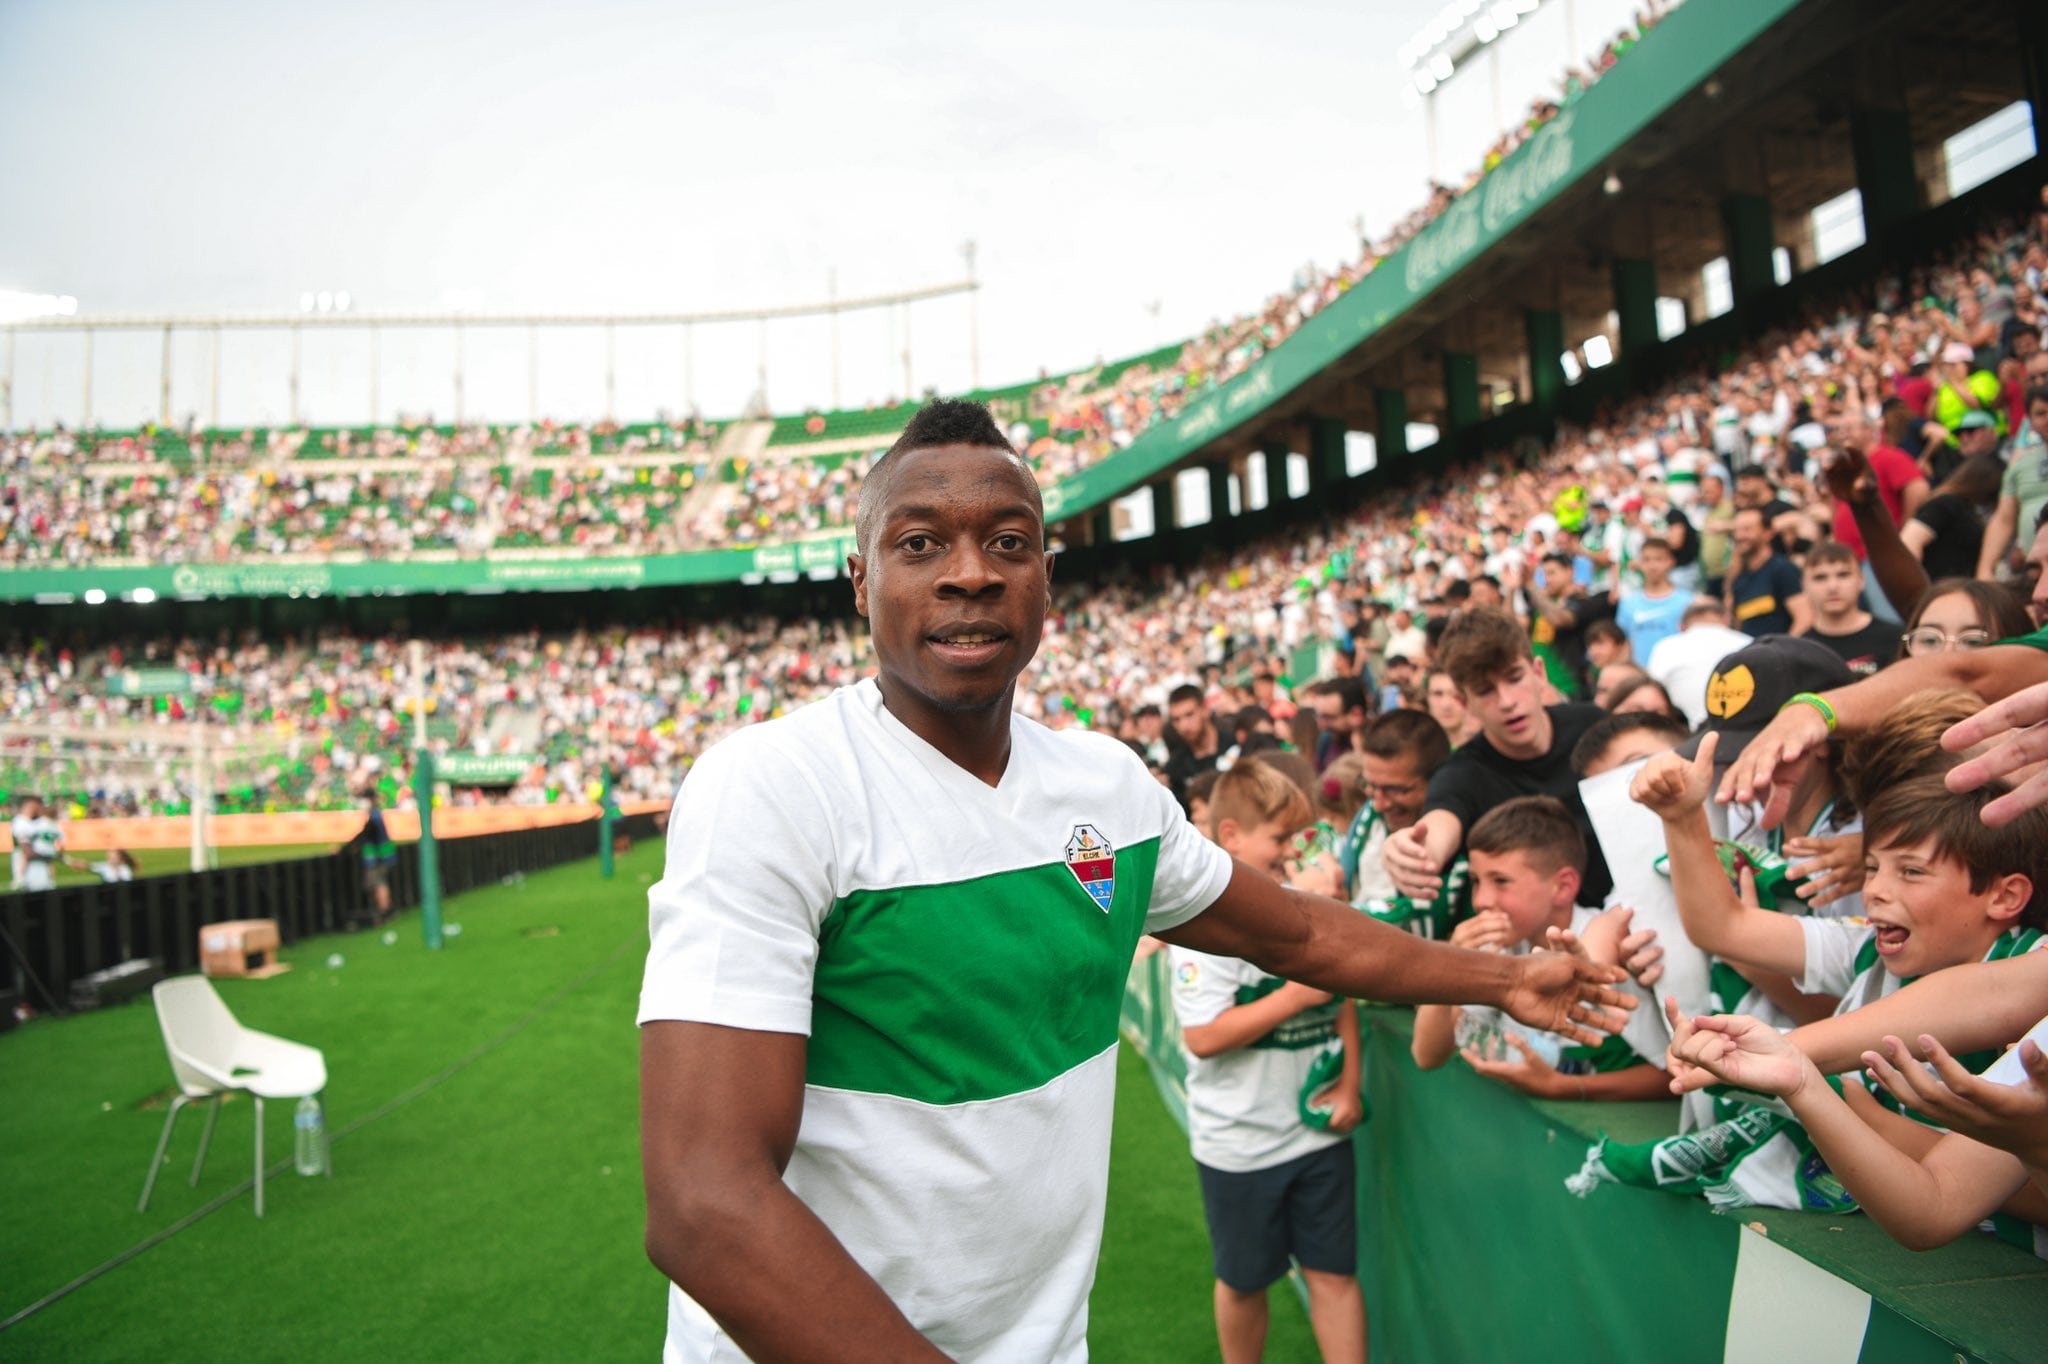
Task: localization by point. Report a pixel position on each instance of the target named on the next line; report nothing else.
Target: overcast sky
(1130, 171)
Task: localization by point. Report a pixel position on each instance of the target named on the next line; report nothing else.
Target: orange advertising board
(320, 826)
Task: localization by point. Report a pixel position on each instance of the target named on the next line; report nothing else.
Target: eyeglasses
(1929, 639)
(1380, 788)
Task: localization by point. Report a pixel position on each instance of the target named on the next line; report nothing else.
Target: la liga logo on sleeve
(1093, 862)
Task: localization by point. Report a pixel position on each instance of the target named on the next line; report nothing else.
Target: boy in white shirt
(1941, 889)
(1272, 1092)
(1528, 857)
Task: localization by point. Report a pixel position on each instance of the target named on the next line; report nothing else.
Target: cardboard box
(240, 947)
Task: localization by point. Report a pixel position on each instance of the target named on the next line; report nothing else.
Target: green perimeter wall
(1685, 49)
(1471, 1249)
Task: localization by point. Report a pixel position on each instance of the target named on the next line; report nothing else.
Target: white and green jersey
(1244, 1105)
(44, 844)
(956, 954)
(1371, 890)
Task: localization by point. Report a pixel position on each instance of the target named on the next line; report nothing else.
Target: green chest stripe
(1309, 1028)
(976, 989)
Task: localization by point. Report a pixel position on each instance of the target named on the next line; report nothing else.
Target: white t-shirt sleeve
(734, 919)
(1831, 948)
(1204, 986)
(1191, 873)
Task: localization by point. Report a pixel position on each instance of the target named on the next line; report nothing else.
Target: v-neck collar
(942, 768)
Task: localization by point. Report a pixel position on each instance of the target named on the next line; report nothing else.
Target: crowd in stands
(316, 723)
(207, 497)
(1679, 465)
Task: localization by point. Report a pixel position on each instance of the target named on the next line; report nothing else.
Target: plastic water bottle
(1479, 1028)
(309, 1133)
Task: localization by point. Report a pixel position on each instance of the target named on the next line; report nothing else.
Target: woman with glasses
(1962, 613)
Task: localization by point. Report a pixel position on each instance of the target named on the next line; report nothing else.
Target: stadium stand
(77, 498)
(1112, 648)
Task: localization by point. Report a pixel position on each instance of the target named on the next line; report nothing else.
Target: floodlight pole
(973, 319)
(611, 372)
(430, 850)
(423, 797)
(607, 816)
(202, 796)
(164, 380)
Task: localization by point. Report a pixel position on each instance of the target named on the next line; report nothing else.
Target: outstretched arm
(719, 1109)
(1974, 1006)
(1923, 1203)
(1994, 674)
(2010, 1116)
(2017, 722)
(1416, 856)
(1716, 919)
(1331, 946)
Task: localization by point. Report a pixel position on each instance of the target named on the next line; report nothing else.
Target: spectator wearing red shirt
(1900, 485)
(1899, 481)
(1916, 390)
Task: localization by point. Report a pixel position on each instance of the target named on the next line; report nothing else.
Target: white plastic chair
(211, 1054)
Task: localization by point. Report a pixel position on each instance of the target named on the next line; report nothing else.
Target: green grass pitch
(486, 1198)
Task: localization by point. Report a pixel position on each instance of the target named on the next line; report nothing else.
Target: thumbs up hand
(1673, 786)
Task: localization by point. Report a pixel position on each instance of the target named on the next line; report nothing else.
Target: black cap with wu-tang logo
(1749, 685)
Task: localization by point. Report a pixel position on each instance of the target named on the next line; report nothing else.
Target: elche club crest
(1093, 862)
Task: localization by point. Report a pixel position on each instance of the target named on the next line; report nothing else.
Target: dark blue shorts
(1305, 1208)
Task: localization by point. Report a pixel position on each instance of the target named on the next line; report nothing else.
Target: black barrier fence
(57, 936)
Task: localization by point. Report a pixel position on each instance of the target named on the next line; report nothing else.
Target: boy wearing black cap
(1821, 834)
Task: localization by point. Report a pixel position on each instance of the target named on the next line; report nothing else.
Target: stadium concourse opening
(1655, 270)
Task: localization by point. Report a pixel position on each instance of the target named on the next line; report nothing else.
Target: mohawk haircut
(945, 421)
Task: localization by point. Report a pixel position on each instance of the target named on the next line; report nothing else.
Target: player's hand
(1529, 1073)
(1487, 930)
(1734, 1049)
(2011, 1117)
(2020, 723)
(1766, 768)
(1568, 995)
(1413, 871)
(1673, 787)
(1832, 869)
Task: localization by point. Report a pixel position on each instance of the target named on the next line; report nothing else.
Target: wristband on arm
(1807, 698)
